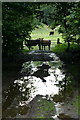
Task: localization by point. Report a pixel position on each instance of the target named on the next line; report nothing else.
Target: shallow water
(42, 79)
(45, 78)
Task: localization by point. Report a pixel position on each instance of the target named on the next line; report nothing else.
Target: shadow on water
(41, 78)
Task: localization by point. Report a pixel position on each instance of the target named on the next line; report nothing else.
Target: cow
(30, 43)
(51, 33)
(45, 43)
(40, 42)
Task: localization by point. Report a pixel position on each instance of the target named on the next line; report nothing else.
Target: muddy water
(38, 78)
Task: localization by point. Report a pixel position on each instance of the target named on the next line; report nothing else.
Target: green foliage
(19, 19)
(66, 15)
(17, 23)
(68, 19)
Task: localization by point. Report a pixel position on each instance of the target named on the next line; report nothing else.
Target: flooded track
(41, 91)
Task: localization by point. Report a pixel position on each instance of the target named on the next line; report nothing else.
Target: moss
(45, 108)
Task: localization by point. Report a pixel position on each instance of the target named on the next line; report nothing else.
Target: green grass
(76, 103)
(43, 32)
(45, 107)
(60, 48)
(74, 70)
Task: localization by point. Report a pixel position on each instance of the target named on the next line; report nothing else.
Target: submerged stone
(58, 98)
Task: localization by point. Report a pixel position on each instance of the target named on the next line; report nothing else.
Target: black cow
(51, 33)
(30, 43)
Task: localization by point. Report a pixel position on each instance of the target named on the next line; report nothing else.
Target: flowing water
(41, 79)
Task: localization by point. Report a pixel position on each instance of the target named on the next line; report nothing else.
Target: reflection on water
(43, 55)
(41, 79)
(38, 78)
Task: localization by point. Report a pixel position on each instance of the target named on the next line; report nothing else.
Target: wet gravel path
(39, 55)
(35, 110)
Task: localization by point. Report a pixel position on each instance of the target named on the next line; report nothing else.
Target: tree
(63, 14)
(18, 20)
(68, 18)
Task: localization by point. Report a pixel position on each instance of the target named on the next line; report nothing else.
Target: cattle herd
(40, 42)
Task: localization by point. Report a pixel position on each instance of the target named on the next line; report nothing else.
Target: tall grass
(59, 48)
(62, 47)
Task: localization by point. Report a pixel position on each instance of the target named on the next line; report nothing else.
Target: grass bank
(71, 62)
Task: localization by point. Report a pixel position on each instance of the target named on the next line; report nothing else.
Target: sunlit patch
(25, 77)
(55, 117)
(19, 82)
(53, 55)
(38, 78)
(43, 79)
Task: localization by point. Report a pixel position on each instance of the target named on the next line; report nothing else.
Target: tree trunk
(68, 48)
(22, 45)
